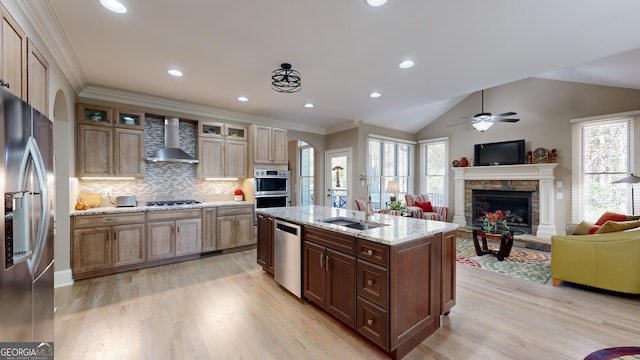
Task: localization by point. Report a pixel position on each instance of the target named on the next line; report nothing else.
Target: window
(602, 155)
(434, 180)
(305, 177)
(388, 160)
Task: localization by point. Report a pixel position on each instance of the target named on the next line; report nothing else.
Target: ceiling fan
(483, 120)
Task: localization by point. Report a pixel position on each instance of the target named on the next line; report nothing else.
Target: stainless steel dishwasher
(287, 256)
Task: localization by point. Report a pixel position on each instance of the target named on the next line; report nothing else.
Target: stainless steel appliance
(26, 277)
(271, 188)
(271, 182)
(125, 201)
(172, 202)
(287, 256)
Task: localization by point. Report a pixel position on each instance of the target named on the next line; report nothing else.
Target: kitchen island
(389, 282)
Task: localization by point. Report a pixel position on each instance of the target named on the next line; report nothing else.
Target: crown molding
(47, 25)
(159, 103)
(344, 126)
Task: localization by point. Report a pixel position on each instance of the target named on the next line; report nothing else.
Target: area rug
(523, 264)
(625, 352)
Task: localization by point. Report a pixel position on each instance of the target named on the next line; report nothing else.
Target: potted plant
(396, 207)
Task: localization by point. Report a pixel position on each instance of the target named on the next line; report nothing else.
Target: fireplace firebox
(514, 205)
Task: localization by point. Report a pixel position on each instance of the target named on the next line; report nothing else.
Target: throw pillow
(585, 228)
(425, 206)
(615, 217)
(613, 226)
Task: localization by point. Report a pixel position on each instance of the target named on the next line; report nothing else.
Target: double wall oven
(271, 188)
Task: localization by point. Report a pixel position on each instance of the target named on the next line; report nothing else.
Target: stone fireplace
(534, 181)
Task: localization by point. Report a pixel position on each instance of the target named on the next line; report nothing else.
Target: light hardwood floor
(226, 307)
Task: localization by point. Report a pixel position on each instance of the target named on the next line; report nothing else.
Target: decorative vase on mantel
(464, 162)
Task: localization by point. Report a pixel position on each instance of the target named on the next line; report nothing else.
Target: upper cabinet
(13, 59)
(37, 79)
(222, 150)
(268, 145)
(108, 146)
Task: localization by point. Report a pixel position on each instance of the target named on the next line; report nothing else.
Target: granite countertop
(122, 210)
(397, 229)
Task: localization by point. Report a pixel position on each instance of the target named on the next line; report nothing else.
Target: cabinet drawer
(373, 323)
(373, 283)
(84, 221)
(173, 214)
(374, 252)
(235, 210)
(330, 239)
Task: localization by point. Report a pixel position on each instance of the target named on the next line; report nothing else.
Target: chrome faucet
(369, 210)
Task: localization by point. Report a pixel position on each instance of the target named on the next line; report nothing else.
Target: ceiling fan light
(376, 3)
(482, 125)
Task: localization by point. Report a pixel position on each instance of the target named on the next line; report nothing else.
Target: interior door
(338, 176)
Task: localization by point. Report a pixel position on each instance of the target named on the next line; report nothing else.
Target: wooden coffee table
(506, 242)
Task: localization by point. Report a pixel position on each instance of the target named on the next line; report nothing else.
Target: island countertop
(396, 229)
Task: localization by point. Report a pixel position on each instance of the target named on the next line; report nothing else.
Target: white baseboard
(62, 278)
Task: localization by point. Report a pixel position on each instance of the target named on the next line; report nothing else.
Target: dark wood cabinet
(448, 289)
(265, 242)
(329, 275)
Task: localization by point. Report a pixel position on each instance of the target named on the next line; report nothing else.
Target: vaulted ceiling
(344, 50)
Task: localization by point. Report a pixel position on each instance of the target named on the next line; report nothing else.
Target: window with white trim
(388, 160)
(305, 176)
(602, 155)
(434, 179)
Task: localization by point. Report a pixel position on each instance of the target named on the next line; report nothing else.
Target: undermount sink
(352, 224)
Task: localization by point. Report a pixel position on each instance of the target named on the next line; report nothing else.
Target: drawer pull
(370, 322)
(110, 219)
(370, 282)
(369, 252)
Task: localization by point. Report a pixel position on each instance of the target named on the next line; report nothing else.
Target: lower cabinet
(265, 242)
(173, 233)
(329, 275)
(103, 244)
(209, 232)
(234, 226)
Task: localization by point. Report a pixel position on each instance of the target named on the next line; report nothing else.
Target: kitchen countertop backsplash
(163, 180)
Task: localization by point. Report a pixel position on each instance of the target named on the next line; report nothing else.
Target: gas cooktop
(171, 202)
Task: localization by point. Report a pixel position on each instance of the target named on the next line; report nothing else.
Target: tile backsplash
(166, 180)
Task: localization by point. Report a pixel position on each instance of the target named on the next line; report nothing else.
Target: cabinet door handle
(327, 262)
(370, 322)
(369, 252)
(321, 261)
(370, 282)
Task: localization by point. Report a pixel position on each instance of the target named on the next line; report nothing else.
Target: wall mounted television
(500, 153)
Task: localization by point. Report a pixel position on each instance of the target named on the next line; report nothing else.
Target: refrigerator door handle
(33, 152)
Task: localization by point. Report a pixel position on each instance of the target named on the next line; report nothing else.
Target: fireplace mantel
(541, 172)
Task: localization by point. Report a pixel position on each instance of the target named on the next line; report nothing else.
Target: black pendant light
(285, 79)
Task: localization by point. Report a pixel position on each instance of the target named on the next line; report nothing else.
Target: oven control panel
(270, 173)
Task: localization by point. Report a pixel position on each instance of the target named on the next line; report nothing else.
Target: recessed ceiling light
(114, 5)
(174, 72)
(308, 105)
(406, 64)
(375, 94)
(243, 98)
(376, 2)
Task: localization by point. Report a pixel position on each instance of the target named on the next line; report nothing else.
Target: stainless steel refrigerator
(27, 182)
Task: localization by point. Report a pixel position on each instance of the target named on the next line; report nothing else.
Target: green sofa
(608, 261)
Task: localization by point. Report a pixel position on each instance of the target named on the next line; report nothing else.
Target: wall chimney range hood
(171, 151)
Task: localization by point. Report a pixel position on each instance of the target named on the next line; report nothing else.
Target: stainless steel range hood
(171, 151)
